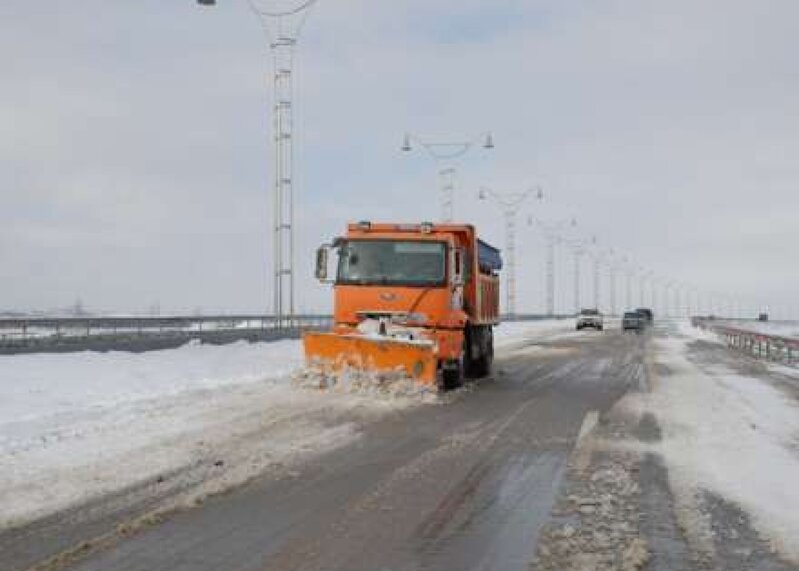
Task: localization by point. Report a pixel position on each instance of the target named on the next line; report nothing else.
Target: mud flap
(335, 353)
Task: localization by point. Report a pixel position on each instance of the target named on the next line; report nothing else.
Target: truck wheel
(453, 372)
(452, 375)
(489, 358)
(479, 366)
(483, 365)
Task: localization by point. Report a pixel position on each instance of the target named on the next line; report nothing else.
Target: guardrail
(19, 335)
(754, 343)
(60, 334)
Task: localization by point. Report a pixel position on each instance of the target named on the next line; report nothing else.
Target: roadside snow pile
(37, 385)
(730, 434)
(512, 332)
(353, 381)
(685, 328)
(81, 425)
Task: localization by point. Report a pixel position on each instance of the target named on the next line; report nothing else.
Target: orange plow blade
(337, 353)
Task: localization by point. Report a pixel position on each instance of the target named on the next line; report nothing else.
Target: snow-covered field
(728, 433)
(78, 425)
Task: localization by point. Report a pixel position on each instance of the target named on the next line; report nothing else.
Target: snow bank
(78, 425)
(730, 434)
(684, 328)
(36, 385)
(512, 332)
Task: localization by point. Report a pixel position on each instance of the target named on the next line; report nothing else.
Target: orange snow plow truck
(413, 300)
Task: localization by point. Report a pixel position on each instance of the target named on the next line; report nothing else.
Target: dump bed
(486, 286)
(488, 257)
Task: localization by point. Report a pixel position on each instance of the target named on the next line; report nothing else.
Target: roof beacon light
(364, 225)
(427, 227)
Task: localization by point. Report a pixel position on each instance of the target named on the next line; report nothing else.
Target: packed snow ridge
(726, 432)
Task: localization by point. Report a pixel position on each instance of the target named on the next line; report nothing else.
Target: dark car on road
(633, 321)
(646, 313)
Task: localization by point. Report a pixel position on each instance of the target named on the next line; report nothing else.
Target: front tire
(452, 375)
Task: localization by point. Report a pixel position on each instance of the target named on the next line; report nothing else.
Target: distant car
(633, 321)
(646, 313)
(590, 318)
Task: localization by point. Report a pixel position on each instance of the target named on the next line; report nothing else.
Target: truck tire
(487, 360)
(452, 375)
(480, 366)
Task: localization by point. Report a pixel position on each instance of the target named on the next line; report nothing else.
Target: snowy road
(585, 450)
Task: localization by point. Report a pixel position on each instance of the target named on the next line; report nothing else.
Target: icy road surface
(584, 450)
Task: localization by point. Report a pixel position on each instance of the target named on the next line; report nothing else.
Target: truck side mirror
(457, 267)
(322, 255)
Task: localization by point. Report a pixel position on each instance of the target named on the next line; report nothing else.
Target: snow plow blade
(334, 354)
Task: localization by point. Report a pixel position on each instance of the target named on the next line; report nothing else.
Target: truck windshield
(381, 262)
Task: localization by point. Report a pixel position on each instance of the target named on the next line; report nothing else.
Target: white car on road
(590, 318)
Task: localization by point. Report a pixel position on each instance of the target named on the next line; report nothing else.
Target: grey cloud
(134, 162)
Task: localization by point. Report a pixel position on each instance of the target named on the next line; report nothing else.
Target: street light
(552, 230)
(578, 249)
(596, 256)
(509, 203)
(444, 153)
(283, 22)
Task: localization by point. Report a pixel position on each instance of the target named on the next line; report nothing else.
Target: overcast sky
(135, 160)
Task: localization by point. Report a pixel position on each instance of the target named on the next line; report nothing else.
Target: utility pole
(552, 231)
(596, 261)
(642, 287)
(653, 292)
(509, 203)
(444, 154)
(578, 251)
(628, 282)
(612, 276)
(282, 22)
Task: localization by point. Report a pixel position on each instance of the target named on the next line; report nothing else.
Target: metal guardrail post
(753, 343)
